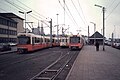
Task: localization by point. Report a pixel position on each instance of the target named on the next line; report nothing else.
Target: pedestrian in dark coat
(97, 46)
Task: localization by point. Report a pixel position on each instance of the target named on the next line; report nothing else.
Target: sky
(75, 15)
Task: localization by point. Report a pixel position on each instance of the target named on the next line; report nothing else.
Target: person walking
(97, 46)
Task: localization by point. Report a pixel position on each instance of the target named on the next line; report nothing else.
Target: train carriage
(47, 41)
(76, 42)
(30, 42)
(55, 42)
(64, 42)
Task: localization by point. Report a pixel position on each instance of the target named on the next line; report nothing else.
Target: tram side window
(37, 40)
(41, 40)
(28, 41)
(48, 40)
(45, 40)
(78, 39)
(66, 39)
(62, 40)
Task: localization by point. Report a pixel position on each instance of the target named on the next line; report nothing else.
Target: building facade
(10, 25)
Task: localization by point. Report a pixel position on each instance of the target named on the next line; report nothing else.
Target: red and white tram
(30, 42)
(55, 42)
(76, 42)
(64, 41)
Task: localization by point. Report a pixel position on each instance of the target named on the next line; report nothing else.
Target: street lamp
(103, 8)
(57, 30)
(50, 32)
(50, 29)
(25, 17)
(94, 31)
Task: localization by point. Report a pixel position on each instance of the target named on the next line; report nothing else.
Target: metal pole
(64, 12)
(101, 31)
(88, 34)
(25, 22)
(41, 31)
(94, 33)
(68, 29)
(112, 39)
(25, 17)
(103, 8)
(51, 33)
(57, 29)
(103, 28)
(62, 31)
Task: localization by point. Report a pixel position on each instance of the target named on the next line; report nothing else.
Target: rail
(53, 70)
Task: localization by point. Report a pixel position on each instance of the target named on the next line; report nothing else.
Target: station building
(10, 25)
(96, 37)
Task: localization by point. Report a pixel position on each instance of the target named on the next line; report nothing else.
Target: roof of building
(96, 35)
(10, 15)
(6, 18)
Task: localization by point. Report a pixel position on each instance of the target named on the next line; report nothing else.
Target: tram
(64, 41)
(28, 42)
(76, 42)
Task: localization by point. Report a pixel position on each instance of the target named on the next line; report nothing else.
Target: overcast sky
(78, 14)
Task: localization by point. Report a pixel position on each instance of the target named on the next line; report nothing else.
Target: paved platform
(13, 49)
(96, 65)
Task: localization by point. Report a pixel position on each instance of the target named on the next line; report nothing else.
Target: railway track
(52, 71)
(26, 59)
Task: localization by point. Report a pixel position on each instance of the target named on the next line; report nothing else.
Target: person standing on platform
(97, 46)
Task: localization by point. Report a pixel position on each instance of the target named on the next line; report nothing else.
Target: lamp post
(94, 31)
(50, 32)
(103, 8)
(88, 34)
(50, 21)
(25, 17)
(57, 29)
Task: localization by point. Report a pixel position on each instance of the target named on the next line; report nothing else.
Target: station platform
(96, 65)
(13, 49)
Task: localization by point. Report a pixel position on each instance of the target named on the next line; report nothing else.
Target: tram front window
(23, 40)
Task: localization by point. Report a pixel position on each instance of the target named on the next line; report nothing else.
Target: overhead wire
(16, 6)
(3, 9)
(77, 11)
(23, 9)
(109, 5)
(73, 17)
(69, 13)
(82, 11)
(112, 11)
(31, 9)
(36, 13)
(97, 1)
